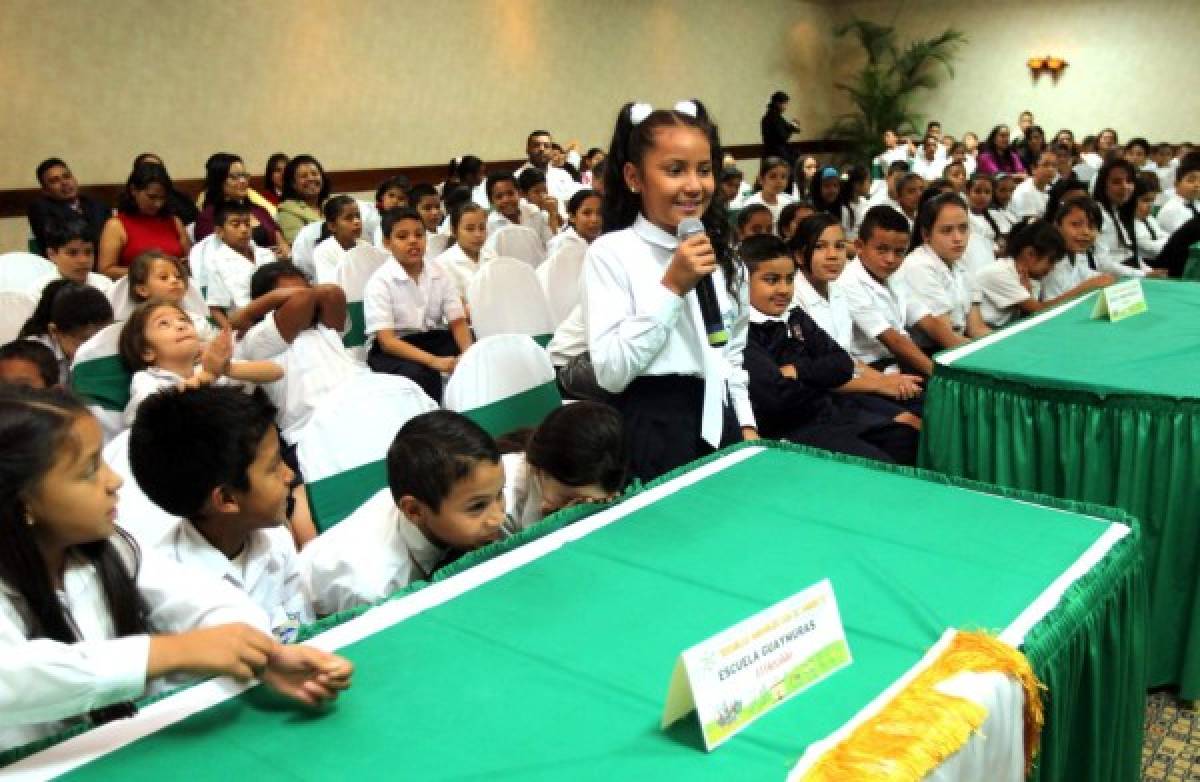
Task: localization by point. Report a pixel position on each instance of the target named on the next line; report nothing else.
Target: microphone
(710, 311)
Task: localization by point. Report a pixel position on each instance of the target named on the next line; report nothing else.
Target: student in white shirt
(831, 196)
(460, 261)
(729, 190)
(955, 173)
(414, 317)
(908, 197)
(1116, 245)
(858, 188)
(792, 215)
(884, 191)
(69, 247)
(1003, 186)
(577, 454)
(894, 150)
(1164, 166)
(934, 274)
(1078, 219)
(1011, 287)
(507, 208)
(66, 316)
(881, 305)
(928, 163)
(156, 275)
(772, 182)
(1150, 234)
(341, 233)
(1184, 204)
(819, 250)
(428, 205)
(232, 263)
(585, 220)
(753, 220)
(1029, 199)
(87, 623)
(231, 497)
(445, 496)
(159, 345)
(540, 210)
(680, 396)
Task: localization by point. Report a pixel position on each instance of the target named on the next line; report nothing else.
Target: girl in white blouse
(681, 396)
(341, 233)
(86, 621)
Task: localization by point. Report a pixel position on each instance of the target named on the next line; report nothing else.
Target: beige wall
(1121, 56)
(377, 83)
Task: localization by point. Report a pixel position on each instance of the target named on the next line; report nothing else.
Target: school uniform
(1067, 273)
(1151, 238)
(573, 369)
(417, 311)
(530, 217)
(1176, 211)
(943, 289)
(876, 307)
(987, 228)
(48, 686)
(680, 397)
(229, 274)
(97, 281)
(781, 200)
(522, 494)
(327, 256)
(889, 156)
(459, 267)
(265, 570)
(566, 236)
(858, 210)
(366, 557)
(929, 169)
(151, 380)
(314, 363)
(559, 184)
(1003, 218)
(804, 409)
(1001, 290)
(831, 314)
(1116, 250)
(1028, 201)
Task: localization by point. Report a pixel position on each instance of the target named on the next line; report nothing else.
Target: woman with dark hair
(305, 188)
(226, 179)
(144, 221)
(273, 178)
(996, 154)
(183, 207)
(1032, 146)
(1117, 251)
(777, 129)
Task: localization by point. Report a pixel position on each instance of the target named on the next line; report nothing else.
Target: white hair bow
(639, 111)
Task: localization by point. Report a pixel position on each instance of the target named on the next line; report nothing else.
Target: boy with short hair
(233, 261)
(231, 495)
(1184, 203)
(882, 307)
(445, 496)
(24, 362)
(68, 245)
(539, 209)
(1011, 287)
(61, 200)
(1031, 196)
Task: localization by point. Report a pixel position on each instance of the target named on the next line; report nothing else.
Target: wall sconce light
(1051, 65)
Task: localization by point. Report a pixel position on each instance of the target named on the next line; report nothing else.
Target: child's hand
(1157, 273)
(218, 353)
(236, 650)
(199, 379)
(444, 364)
(307, 674)
(549, 205)
(900, 386)
(1100, 281)
(788, 371)
(694, 259)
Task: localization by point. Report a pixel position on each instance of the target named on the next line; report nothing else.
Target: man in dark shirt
(60, 200)
(777, 129)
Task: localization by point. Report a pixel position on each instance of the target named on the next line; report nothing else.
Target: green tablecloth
(1101, 412)
(558, 669)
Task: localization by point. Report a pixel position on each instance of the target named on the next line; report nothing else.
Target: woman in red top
(144, 221)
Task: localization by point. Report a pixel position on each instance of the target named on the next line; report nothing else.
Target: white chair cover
(560, 277)
(136, 513)
(342, 448)
(503, 383)
(371, 221)
(15, 309)
(506, 298)
(101, 378)
(303, 246)
(352, 275)
(517, 241)
(19, 271)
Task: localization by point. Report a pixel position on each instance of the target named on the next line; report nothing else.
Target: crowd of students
(835, 287)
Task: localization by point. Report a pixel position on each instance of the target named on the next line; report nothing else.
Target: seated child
(414, 318)
(584, 218)
(773, 174)
(1010, 287)
(26, 363)
(391, 193)
(794, 366)
(340, 234)
(539, 209)
(754, 220)
(67, 315)
(87, 622)
(578, 453)
(729, 191)
(460, 261)
(69, 247)
(428, 205)
(883, 308)
(505, 199)
(445, 497)
(1150, 234)
(160, 346)
(1078, 220)
(231, 497)
(232, 263)
(1184, 203)
(156, 275)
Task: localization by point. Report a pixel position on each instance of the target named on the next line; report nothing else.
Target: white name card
(742, 673)
(1120, 301)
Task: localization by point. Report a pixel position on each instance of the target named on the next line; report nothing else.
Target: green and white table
(1100, 412)
(550, 659)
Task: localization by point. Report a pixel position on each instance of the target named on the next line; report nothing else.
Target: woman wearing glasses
(226, 180)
